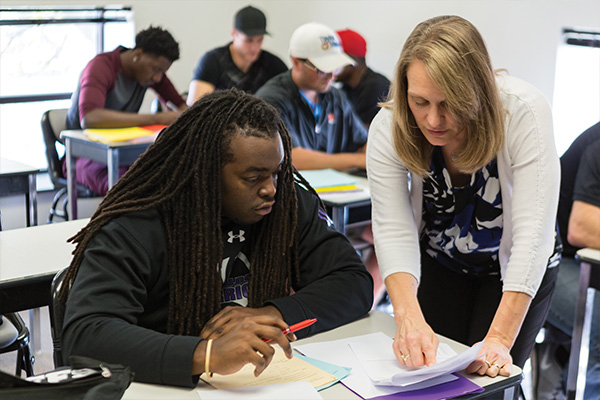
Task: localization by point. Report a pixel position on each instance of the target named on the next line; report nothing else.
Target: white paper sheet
(339, 352)
(378, 361)
(288, 391)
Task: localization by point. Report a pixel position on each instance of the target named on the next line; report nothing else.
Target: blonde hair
(456, 59)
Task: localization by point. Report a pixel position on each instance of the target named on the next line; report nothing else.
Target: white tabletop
(376, 322)
(37, 250)
(10, 167)
(590, 255)
(343, 198)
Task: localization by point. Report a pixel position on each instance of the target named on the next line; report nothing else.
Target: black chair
(19, 341)
(20, 344)
(57, 315)
(53, 122)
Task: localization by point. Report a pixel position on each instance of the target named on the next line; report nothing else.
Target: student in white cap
(325, 130)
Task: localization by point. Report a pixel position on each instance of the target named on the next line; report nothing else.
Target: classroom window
(576, 102)
(43, 50)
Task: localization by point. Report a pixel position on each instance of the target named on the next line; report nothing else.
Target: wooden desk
(114, 155)
(17, 178)
(29, 259)
(589, 281)
(375, 322)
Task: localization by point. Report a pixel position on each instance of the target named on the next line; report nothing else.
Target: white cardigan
(529, 171)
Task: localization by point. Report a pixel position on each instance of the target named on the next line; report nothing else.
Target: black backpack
(85, 379)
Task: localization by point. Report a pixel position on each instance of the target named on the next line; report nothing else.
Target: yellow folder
(136, 134)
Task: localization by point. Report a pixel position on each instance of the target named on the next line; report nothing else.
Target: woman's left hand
(493, 359)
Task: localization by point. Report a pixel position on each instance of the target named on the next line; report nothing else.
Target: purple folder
(448, 390)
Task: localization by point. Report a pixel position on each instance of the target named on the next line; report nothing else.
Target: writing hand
(230, 316)
(243, 344)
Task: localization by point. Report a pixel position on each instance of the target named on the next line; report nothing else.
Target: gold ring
(489, 364)
(404, 357)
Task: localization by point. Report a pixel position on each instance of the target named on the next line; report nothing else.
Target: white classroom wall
(522, 35)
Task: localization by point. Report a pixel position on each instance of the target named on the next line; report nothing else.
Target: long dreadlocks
(180, 176)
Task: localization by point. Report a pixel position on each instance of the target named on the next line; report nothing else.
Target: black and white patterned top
(463, 225)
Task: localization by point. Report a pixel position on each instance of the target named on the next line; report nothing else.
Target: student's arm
(105, 118)
(198, 89)
(167, 92)
(584, 225)
(206, 75)
(334, 285)
(311, 159)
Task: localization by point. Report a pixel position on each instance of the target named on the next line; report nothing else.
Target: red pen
(300, 325)
(296, 327)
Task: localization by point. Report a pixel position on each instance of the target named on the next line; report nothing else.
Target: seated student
(212, 234)
(111, 90)
(364, 87)
(579, 225)
(326, 132)
(242, 63)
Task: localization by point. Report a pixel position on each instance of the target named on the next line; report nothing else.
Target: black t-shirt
(580, 179)
(372, 89)
(217, 67)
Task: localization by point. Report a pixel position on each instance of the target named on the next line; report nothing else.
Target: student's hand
(243, 344)
(493, 359)
(166, 117)
(231, 316)
(415, 343)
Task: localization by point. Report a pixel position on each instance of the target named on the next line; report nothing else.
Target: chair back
(57, 315)
(20, 344)
(53, 122)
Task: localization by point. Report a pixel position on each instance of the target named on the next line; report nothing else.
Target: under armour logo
(239, 236)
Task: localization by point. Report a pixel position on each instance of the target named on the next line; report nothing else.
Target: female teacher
(464, 180)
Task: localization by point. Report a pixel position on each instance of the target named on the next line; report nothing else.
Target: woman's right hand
(415, 343)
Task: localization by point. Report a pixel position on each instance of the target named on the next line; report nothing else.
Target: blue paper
(320, 178)
(336, 370)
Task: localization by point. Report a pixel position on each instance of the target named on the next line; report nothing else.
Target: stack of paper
(136, 134)
(376, 373)
(330, 180)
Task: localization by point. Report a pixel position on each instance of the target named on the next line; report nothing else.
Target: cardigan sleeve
(395, 225)
(533, 172)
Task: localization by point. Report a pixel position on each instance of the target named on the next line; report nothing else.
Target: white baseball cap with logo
(319, 44)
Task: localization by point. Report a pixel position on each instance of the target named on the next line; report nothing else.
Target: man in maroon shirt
(111, 90)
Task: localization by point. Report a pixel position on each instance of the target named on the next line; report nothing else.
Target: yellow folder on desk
(136, 134)
(334, 189)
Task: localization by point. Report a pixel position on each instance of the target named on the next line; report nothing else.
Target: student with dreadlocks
(212, 217)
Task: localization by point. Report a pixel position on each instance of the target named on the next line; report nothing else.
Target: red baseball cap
(353, 43)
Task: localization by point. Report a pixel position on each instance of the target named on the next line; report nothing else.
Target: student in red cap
(364, 87)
